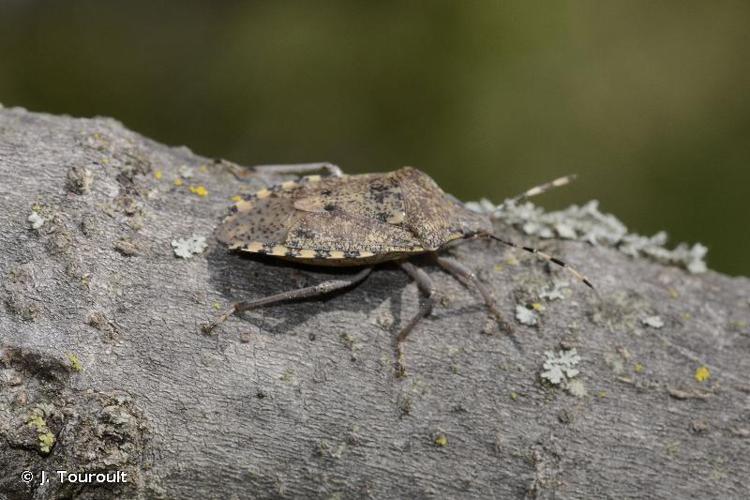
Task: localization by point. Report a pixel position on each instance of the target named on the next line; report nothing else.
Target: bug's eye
(329, 207)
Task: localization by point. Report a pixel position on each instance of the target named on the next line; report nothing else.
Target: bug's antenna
(537, 190)
(546, 257)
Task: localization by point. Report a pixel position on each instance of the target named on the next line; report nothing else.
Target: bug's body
(360, 220)
(350, 220)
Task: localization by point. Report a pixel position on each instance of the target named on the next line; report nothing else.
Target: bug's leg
(424, 283)
(300, 168)
(537, 190)
(469, 279)
(301, 293)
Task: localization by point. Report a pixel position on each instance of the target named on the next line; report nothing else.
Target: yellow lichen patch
(263, 193)
(46, 440)
(75, 363)
(441, 440)
(537, 306)
(702, 374)
(37, 421)
(157, 174)
(639, 368)
(499, 267)
(45, 437)
(236, 198)
(199, 190)
(178, 182)
(203, 169)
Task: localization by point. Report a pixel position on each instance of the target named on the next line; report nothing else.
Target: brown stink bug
(360, 221)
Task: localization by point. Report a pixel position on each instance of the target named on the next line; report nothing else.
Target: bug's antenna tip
(588, 283)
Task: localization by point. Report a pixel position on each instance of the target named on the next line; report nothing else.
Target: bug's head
(469, 223)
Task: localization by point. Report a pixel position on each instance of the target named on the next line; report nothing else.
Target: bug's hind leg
(302, 293)
(424, 283)
(469, 279)
(300, 168)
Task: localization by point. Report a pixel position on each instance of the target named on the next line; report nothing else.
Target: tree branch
(103, 366)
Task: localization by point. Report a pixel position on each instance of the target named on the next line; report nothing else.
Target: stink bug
(360, 221)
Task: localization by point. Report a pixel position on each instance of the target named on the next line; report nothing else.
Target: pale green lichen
(347, 340)
(672, 448)
(555, 292)
(287, 376)
(526, 316)
(186, 248)
(588, 223)
(576, 388)
(653, 322)
(185, 172)
(561, 366)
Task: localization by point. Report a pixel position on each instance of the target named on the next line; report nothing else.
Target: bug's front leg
(469, 279)
(301, 293)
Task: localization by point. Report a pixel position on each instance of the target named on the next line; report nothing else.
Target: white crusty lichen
(186, 248)
(526, 316)
(36, 220)
(653, 321)
(185, 172)
(561, 366)
(554, 292)
(588, 223)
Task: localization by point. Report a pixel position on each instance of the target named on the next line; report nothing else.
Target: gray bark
(103, 365)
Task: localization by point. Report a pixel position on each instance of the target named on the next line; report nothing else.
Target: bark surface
(103, 366)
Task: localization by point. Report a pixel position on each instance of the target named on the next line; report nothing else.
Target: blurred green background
(649, 102)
